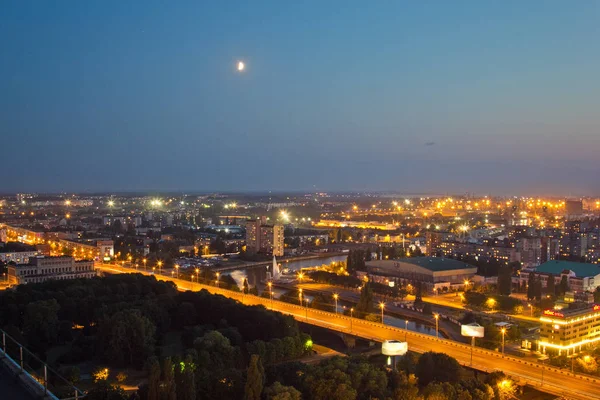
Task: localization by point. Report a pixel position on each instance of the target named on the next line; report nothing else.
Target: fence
(33, 374)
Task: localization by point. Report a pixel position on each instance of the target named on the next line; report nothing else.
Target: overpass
(543, 377)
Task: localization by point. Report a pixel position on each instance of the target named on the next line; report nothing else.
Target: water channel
(257, 276)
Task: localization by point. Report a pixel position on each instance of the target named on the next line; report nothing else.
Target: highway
(545, 378)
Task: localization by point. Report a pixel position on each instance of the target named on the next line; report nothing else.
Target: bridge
(543, 377)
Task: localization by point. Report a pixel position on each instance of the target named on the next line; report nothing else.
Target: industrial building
(434, 272)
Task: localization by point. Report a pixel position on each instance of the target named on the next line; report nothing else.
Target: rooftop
(15, 247)
(558, 266)
(437, 264)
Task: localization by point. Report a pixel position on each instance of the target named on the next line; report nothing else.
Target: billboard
(394, 348)
(471, 330)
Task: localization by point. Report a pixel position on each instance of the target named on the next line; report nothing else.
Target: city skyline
(462, 97)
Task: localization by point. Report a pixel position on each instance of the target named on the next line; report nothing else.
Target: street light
(503, 330)
(270, 285)
(491, 303)
(382, 306)
(218, 279)
(405, 329)
(300, 296)
(144, 261)
(177, 269)
(306, 309)
(192, 278)
(159, 267)
(335, 297)
(530, 308)
(351, 317)
(300, 276)
(466, 285)
(437, 319)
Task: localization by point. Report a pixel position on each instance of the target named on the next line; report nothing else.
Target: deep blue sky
(337, 95)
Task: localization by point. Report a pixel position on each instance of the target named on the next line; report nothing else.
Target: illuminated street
(545, 378)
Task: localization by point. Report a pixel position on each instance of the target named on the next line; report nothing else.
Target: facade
(507, 254)
(263, 238)
(17, 253)
(569, 331)
(41, 269)
(581, 277)
(531, 251)
(433, 241)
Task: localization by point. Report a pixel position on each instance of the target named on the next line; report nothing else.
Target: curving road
(545, 378)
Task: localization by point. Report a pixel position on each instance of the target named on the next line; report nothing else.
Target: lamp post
(351, 317)
(466, 285)
(197, 274)
(177, 270)
(382, 306)
(160, 264)
(437, 319)
(153, 270)
(192, 278)
(218, 279)
(145, 261)
(270, 285)
(335, 297)
(405, 329)
(300, 296)
(503, 330)
(306, 309)
(530, 309)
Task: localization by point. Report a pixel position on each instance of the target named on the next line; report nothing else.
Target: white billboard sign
(394, 348)
(472, 330)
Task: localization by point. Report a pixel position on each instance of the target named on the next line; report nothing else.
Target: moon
(241, 66)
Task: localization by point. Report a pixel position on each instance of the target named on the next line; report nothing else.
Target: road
(545, 378)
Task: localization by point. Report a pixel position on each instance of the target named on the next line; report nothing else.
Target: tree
(531, 285)
(168, 386)
(279, 392)
(184, 379)
(255, 379)
(437, 367)
(40, 323)
(504, 280)
(563, 286)
(153, 379)
(551, 286)
(538, 288)
(365, 303)
(127, 338)
(419, 292)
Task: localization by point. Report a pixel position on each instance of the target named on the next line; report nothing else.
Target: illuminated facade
(41, 269)
(264, 238)
(568, 331)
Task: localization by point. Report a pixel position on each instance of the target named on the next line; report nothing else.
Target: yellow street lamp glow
(241, 66)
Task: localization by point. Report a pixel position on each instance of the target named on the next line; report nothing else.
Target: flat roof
(437, 264)
(580, 269)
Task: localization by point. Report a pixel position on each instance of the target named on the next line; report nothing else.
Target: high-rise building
(531, 251)
(434, 239)
(264, 238)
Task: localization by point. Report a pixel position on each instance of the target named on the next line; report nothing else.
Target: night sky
(497, 97)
